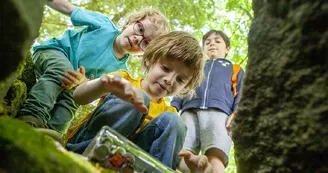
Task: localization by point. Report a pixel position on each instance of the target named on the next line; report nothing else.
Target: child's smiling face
(166, 78)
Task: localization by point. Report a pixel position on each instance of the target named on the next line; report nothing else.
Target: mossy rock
(15, 97)
(25, 150)
(19, 89)
(22, 26)
(26, 72)
(4, 87)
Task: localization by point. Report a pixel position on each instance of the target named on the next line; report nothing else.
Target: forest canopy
(197, 17)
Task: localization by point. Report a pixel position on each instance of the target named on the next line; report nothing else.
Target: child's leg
(192, 140)
(216, 142)
(183, 167)
(113, 112)
(216, 158)
(163, 138)
(50, 66)
(65, 105)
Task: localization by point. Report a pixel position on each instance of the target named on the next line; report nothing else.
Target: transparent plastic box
(112, 150)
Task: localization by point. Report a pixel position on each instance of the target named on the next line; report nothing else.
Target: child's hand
(228, 124)
(124, 90)
(196, 163)
(71, 78)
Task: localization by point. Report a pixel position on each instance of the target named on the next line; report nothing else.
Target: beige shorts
(206, 129)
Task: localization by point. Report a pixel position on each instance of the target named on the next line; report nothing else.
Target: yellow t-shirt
(155, 109)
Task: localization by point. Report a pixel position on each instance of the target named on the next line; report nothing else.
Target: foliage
(231, 168)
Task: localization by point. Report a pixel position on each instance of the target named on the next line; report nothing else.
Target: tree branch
(242, 61)
(247, 12)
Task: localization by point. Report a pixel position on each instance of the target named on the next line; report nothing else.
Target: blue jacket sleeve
(239, 86)
(177, 103)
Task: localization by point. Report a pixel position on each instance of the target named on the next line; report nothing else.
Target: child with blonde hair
(98, 48)
(173, 65)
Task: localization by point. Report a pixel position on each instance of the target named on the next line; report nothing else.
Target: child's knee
(173, 121)
(215, 154)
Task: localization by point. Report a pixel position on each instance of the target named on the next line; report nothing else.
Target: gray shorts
(206, 129)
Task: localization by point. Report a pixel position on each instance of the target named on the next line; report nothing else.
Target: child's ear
(147, 63)
(227, 50)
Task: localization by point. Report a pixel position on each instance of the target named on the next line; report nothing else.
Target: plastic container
(114, 151)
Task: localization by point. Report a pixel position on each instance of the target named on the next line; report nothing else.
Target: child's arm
(123, 89)
(62, 6)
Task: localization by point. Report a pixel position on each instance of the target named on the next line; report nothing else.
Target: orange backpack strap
(234, 78)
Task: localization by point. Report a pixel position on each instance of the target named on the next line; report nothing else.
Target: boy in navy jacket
(208, 114)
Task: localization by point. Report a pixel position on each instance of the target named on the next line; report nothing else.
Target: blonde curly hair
(152, 14)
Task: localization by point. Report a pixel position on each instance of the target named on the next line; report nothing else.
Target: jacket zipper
(208, 79)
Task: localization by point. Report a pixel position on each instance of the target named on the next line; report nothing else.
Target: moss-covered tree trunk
(282, 119)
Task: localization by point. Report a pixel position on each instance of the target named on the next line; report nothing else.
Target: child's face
(215, 47)
(167, 78)
(136, 36)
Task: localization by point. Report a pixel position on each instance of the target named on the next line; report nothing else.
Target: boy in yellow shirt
(173, 65)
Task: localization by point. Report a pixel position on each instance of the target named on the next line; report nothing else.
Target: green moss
(25, 150)
(27, 73)
(3, 109)
(15, 97)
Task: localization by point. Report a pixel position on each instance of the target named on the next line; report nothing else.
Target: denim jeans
(48, 101)
(162, 137)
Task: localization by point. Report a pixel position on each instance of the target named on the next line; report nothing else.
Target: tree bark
(281, 121)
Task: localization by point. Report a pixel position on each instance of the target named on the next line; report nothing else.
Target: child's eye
(141, 30)
(166, 69)
(138, 28)
(180, 80)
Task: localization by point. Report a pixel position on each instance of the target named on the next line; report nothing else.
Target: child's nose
(169, 79)
(138, 38)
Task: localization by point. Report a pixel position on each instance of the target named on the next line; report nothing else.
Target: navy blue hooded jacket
(216, 90)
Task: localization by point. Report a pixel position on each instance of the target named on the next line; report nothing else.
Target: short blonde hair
(178, 46)
(154, 15)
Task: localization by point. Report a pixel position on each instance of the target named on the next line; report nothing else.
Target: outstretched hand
(124, 90)
(72, 78)
(196, 163)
